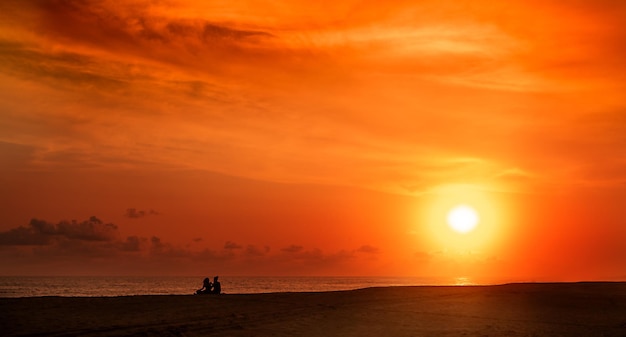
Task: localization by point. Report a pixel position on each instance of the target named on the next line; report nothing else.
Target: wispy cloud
(374, 95)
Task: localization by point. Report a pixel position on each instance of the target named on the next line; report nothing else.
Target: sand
(560, 309)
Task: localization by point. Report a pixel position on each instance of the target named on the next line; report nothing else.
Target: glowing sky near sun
(304, 137)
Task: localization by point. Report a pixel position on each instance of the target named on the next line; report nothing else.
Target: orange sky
(310, 138)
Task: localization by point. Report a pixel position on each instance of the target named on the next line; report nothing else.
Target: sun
(463, 219)
(457, 219)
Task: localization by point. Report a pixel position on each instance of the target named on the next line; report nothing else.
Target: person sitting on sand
(217, 287)
(206, 287)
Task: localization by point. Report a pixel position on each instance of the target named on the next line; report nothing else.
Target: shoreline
(191, 292)
(512, 309)
(330, 291)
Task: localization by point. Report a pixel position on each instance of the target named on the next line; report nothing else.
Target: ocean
(18, 286)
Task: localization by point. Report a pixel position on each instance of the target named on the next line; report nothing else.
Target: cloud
(367, 249)
(229, 245)
(23, 236)
(133, 244)
(514, 174)
(254, 251)
(133, 213)
(133, 29)
(160, 249)
(62, 67)
(316, 260)
(90, 243)
(40, 232)
(292, 249)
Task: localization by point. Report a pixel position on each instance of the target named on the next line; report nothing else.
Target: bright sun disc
(462, 219)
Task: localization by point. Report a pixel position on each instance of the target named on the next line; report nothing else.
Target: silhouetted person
(206, 287)
(217, 287)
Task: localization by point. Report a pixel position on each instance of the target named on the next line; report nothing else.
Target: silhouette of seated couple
(210, 288)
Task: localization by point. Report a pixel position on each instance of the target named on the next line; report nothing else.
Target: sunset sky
(171, 137)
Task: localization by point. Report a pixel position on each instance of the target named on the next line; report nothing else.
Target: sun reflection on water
(463, 281)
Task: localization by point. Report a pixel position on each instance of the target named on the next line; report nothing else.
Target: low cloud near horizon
(100, 242)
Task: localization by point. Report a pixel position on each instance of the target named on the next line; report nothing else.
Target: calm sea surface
(14, 286)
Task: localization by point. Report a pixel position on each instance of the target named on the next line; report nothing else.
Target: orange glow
(313, 138)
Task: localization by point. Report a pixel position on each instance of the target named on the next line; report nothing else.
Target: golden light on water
(463, 281)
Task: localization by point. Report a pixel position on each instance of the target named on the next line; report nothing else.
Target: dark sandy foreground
(570, 309)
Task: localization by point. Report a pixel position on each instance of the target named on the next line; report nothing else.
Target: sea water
(18, 286)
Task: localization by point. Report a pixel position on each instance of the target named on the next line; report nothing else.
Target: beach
(532, 309)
